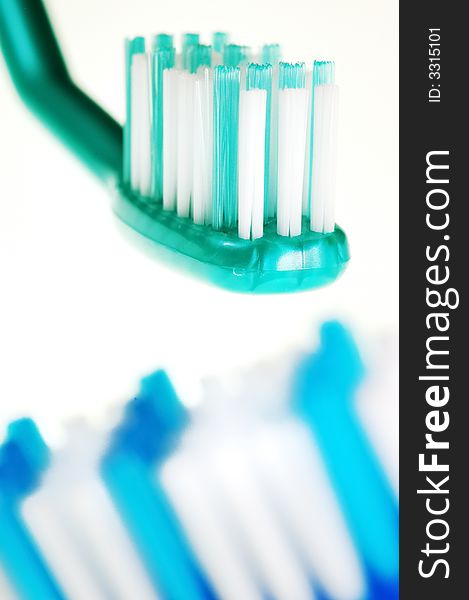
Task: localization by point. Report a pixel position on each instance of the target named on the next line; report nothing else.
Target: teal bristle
(199, 56)
(292, 75)
(226, 88)
(271, 53)
(234, 55)
(188, 41)
(132, 46)
(163, 40)
(260, 77)
(323, 72)
(219, 41)
(162, 58)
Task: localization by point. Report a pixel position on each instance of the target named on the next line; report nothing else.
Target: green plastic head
(271, 264)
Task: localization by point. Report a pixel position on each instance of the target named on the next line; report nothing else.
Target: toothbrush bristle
(291, 75)
(234, 55)
(163, 40)
(228, 140)
(219, 40)
(271, 53)
(292, 122)
(226, 87)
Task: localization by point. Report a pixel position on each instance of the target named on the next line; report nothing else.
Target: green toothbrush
(226, 163)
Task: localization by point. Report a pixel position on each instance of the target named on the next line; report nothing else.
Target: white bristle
(306, 173)
(253, 518)
(251, 163)
(49, 529)
(217, 59)
(141, 125)
(191, 492)
(178, 61)
(6, 589)
(202, 148)
(293, 115)
(76, 526)
(324, 157)
(254, 490)
(317, 209)
(290, 464)
(135, 95)
(242, 76)
(106, 542)
(170, 121)
(329, 211)
(185, 133)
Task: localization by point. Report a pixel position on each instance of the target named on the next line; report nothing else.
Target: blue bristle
(23, 457)
(153, 421)
(326, 389)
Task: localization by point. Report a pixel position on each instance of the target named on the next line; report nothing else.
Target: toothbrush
(226, 165)
(243, 497)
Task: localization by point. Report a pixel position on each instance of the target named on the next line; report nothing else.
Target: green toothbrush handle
(40, 75)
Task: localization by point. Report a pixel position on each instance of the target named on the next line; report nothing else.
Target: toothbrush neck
(40, 75)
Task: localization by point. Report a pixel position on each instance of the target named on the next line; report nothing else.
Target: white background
(82, 313)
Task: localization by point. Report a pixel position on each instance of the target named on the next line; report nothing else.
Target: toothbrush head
(271, 264)
(218, 169)
(156, 408)
(229, 155)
